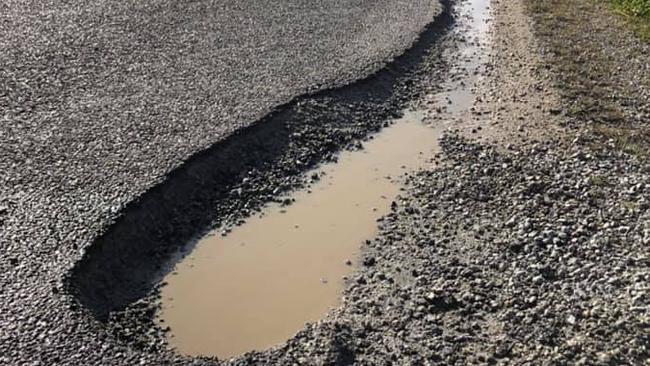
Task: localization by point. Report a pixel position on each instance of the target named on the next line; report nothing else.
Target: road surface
(100, 99)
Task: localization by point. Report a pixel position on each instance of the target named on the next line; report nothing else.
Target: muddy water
(257, 286)
(473, 26)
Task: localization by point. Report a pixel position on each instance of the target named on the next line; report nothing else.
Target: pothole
(260, 284)
(118, 279)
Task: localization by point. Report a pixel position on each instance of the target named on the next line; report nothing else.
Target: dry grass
(583, 73)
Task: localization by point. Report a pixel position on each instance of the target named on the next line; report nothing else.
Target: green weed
(637, 13)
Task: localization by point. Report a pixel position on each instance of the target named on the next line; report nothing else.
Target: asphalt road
(100, 99)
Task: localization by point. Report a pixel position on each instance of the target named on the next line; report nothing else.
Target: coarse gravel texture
(101, 100)
(528, 244)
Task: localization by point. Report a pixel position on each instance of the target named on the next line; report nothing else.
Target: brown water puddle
(259, 285)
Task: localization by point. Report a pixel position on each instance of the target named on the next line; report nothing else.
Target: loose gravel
(529, 245)
(534, 255)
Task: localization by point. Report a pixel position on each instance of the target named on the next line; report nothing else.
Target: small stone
(369, 261)
(571, 319)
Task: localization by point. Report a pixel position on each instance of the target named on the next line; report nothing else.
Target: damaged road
(525, 240)
(102, 100)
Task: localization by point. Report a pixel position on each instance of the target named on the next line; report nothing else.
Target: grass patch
(636, 8)
(637, 14)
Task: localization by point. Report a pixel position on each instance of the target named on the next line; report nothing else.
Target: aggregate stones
(523, 243)
(101, 100)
